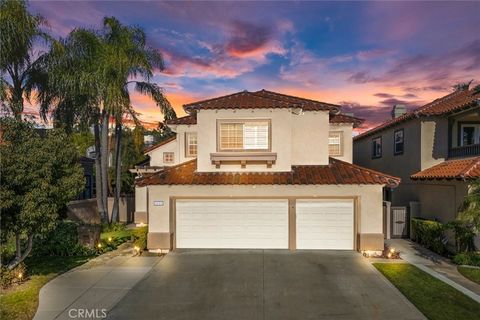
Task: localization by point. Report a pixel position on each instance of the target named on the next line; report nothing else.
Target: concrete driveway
(258, 284)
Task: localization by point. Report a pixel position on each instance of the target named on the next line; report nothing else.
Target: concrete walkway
(436, 265)
(93, 287)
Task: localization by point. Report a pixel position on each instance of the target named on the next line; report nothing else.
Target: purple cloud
(384, 95)
(247, 38)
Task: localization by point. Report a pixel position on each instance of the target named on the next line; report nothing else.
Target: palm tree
(19, 32)
(109, 64)
(72, 94)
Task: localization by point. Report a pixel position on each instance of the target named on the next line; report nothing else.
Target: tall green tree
(38, 177)
(109, 63)
(19, 31)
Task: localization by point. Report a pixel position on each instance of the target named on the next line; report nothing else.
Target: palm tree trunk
(118, 172)
(104, 159)
(98, 175)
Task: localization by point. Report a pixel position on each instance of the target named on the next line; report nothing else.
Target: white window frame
(244, 122)
(189, 142)
(166, 154)
(340, 143)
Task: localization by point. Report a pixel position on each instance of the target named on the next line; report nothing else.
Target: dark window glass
(398, 142)
(377, 147)
(468, 136)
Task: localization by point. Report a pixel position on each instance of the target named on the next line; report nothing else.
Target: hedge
(430, 234)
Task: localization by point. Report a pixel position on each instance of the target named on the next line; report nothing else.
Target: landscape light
(20, 275)
(389, 255)
(99, 245)
(392, 250)
(109, 239)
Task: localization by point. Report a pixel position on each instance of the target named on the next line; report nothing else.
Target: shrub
(61, 241)
(140, 236)
(469, 258)
(10, 277)
(464, 236)
(430, 234)
(113, 227)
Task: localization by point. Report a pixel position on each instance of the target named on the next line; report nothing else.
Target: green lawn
(21, 302)
(472, 274)
(434, 298)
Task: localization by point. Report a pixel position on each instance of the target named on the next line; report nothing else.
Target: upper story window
(377, 147)
(398, 142)
(168, 157)
(244, 135)
(190, 144)
(335, 143)
(470, 134)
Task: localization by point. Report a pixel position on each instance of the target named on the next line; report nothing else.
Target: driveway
(94, 287)
(263, 284)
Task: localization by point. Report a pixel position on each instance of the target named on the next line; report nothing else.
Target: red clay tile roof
(258, 100)
(337, 172)
(343, 118)
(461, 169)
(451, 103)
(192, 119)
(164, 142)
(336, 118)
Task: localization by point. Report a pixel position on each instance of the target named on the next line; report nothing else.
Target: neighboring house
(261, 170)
(434, 149)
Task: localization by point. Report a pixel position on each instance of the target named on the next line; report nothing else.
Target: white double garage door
(264, 224)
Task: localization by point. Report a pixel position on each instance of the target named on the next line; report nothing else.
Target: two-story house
(261, 170)
(435, 150)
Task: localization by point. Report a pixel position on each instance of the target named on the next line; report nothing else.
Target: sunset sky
(364, 56)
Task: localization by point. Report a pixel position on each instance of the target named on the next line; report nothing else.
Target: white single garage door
(325, 224)
(240, 224)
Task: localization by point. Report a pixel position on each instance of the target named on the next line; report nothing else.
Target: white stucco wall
(156, 155)
(310, 138)
(176, 146)
(141, 199)
(281, 137)
(347, 130)
(296, 139)
(370, 199)
(181, 131)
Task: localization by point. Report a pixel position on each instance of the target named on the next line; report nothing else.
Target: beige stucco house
(261, 170)
(435, 150)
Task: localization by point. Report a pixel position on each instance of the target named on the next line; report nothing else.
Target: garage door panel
(325, 224)
(232, 224)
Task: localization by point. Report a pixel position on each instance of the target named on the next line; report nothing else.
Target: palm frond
(156, 93)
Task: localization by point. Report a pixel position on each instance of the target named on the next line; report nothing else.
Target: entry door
(240, 224)
(325, 224)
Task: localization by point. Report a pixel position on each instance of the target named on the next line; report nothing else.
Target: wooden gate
(400, 226)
